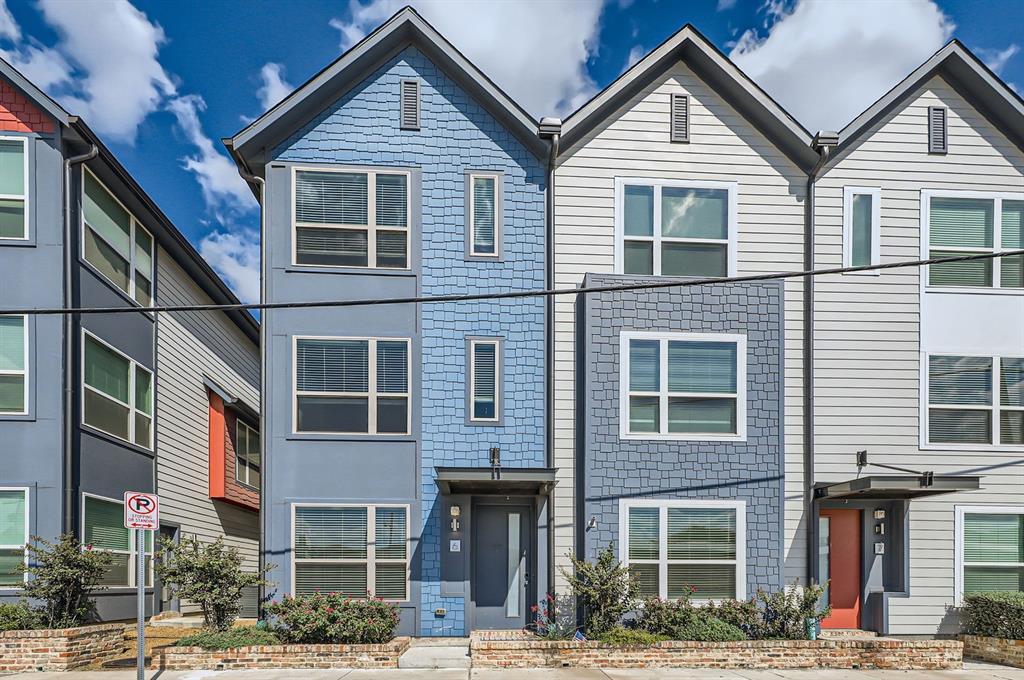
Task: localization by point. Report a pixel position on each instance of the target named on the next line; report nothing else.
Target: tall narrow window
(861, 227)
(117, 397)
(675, 229)
(354, 386)
(13, 365)
(484, 380)
(104, 530)
(484, 215)
(991, 556)
(938, 138)
(352, 219)
(247, 455)
(965, 406)
(358, 551)
(410, 105)
(13, 188)
(13, 536)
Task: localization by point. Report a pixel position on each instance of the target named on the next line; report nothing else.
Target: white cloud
(8, 26)
(236, 257)
(636, 53)
(274, 87)
(724, 5)
(996, 59)
(826, 62)
(554, 38)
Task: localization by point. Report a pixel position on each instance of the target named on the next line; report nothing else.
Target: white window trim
(620, 184)
(496, 177)
(28, 511)
(664, 504)
(24, 372)
(133, 366)
(22, 197)
(876, 230)
(239, 424)
(132, 551)
(997, 239)
(994, 408)
(663, 338)
(958, 541)
(135, 225)
(371, 395)
(371, 227)
(371, 531)
(497, 380)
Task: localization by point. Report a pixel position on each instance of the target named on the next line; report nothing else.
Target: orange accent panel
(844, 587)
(18, 114)
(217, 433)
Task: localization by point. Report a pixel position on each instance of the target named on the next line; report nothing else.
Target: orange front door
(842, 528)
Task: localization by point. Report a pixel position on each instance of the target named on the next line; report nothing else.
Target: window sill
(363, 271)
(17, 242)
(327, 437)
(971, 290)
(678, 438)
(992, 448)
(874, 272)
(114, 439)
(17, 417)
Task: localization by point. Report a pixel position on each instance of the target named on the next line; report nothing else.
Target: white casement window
(861, 227)
(351, 218)
(483, 214)
(975, 401)
(103, 530)
(117, 394)
(247, 454)
(965, 223)
(675, 228)
(13, 535)
(484, 380)
(989, 549)
(355, 550)
(686, 386)
(13, 365)
(352, 385)
(13, 188)
(685, 547)
(114, 242)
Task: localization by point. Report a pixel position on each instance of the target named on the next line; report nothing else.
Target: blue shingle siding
(456, 135)
(615, 468)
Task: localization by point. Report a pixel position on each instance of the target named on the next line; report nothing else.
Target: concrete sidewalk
(971, 671)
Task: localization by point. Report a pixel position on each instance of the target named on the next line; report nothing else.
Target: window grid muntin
(132, 551)
(23, 372)
(23, 197)
(133, 411)
(994, 408)
(370, 560)
(496, 344)
(371, 228)
(496, 228)
(243, 428)
(25, 536)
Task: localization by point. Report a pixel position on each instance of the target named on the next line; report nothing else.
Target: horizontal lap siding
(723, 147)
(867, 379)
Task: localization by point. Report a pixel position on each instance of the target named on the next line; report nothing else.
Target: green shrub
(62, 579)
(18, 616)
(680, 620)
(622, 636)
(243, 636)
(603, 589)
(995, 614)
(707, 628)
(784, 613)
(331, 618)
(743, 614)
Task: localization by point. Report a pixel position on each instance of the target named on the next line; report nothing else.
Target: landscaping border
(281, 656)
(62, 649)
(995, 650)
(516, 649)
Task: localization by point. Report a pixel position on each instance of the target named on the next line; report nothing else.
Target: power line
(542, 293)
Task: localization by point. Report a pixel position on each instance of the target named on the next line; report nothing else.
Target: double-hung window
(352, 218)
(484, 214)
(682, 386)
(485, 380)
(669, 228)
(861, 227)
(975, 223)
(115, 243)
(13, 536)
(103, 530)
(990, 549)
(352, 385)
(13, 188)
(358, 551)
(247, 454)
(117, 395)
(13, 365)
(975, 400)
(675, 548)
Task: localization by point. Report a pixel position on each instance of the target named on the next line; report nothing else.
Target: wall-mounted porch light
(455, 511)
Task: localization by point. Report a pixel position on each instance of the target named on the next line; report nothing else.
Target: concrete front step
(847, 634)
(432, 653)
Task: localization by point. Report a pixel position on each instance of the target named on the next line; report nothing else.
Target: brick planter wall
(495, 649)
(282, 656)
(996, 650)
(59, 650)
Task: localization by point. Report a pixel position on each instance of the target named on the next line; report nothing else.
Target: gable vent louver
(938, 139)
(410, 105)
(680, 118)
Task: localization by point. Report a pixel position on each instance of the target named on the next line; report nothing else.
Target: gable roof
(14, 77)
(404, 28)
(711, 65)
(967, 74)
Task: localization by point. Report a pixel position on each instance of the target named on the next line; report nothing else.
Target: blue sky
(163, 81)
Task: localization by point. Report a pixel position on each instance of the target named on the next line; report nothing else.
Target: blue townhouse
(406, 451)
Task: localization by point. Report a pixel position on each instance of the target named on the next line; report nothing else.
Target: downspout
(823, 143)
(69, 345)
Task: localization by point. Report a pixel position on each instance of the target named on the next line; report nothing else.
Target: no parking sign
(141, 510)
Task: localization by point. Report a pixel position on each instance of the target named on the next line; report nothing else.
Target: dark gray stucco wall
(612, 468)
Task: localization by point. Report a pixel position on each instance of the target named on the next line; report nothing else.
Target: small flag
(578, 637)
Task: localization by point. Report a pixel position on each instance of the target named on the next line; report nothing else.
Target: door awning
(488, 480)
(896, 487)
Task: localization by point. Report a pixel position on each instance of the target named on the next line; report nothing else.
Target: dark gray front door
(502, 541)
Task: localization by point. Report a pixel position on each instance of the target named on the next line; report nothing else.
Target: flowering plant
(554, 617)
(334, 618)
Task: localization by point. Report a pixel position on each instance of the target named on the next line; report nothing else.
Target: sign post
(141, 513)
